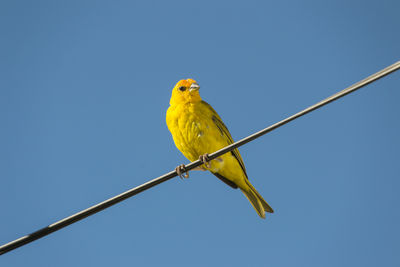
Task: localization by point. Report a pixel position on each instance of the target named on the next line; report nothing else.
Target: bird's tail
(256, 200)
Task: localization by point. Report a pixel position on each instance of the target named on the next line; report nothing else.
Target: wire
(114, 200)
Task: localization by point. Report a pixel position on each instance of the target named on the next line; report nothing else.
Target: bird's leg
(206, 160)
(181, 171)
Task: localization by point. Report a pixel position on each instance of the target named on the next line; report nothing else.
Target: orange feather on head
(185, 91)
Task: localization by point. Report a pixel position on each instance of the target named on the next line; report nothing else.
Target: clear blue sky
(84, 89)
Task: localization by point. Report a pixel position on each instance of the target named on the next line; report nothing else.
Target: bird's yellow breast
(195, 133)
(189, 127)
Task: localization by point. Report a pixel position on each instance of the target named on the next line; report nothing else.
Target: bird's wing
(225, 132)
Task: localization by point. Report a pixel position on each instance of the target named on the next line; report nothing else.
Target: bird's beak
(194, 87)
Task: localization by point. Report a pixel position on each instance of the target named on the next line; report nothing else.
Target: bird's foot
(206, 160)
(181, 171)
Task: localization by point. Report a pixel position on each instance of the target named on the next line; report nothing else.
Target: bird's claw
(206, 160)
(181, 171)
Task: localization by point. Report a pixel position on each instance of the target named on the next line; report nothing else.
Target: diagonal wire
(127, 194)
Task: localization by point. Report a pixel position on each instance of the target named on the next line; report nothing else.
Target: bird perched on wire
(197, 129)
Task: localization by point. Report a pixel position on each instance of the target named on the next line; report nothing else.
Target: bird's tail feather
(256, 200)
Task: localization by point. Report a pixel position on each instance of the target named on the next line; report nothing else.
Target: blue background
(83, 93)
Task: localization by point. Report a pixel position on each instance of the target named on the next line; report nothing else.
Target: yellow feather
(197, 129)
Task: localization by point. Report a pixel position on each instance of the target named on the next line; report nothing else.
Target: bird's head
(185, 91)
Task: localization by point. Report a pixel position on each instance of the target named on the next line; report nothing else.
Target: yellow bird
(197, 130)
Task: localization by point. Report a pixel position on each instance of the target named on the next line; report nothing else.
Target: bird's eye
(182, 88)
